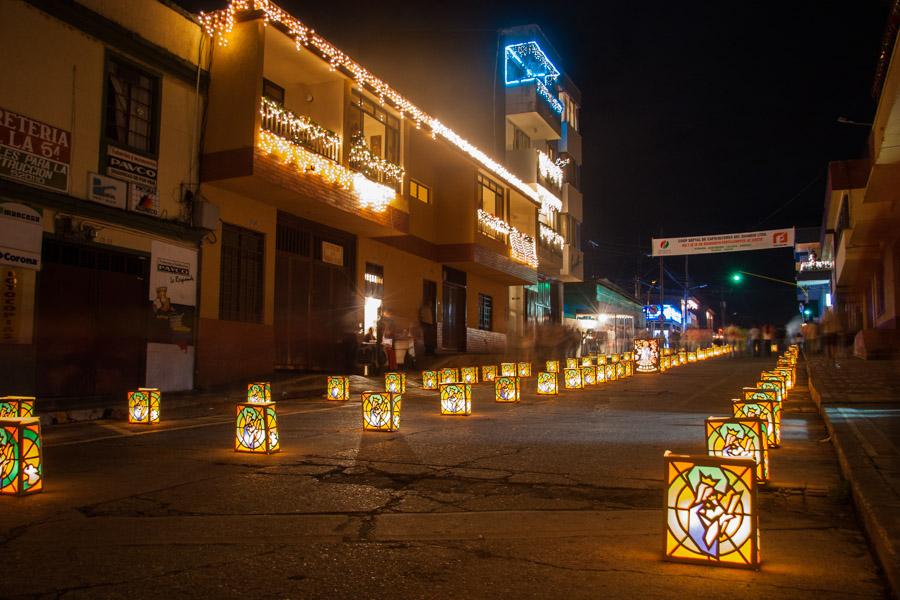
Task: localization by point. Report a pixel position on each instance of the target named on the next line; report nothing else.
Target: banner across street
(726, 242)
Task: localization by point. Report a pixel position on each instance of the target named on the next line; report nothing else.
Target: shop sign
(726, 242)
(33, 152)
(131, 167)
(143, 199)
(333, 253)
(106, 190)
(172, 294)
(21, 234)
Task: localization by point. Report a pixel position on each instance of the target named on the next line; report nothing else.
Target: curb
(878, 535)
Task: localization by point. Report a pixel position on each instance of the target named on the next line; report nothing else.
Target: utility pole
(684, 298)
(661, 288)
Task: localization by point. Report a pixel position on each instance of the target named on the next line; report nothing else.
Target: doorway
(453, 327)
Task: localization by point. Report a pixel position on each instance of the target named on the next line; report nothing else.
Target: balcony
(534, 166)
(499, 251)
(300, 130)
(375, 168)
(572, 264)
(570, 142)
(533, 109)
(854, 264)
(572, 201)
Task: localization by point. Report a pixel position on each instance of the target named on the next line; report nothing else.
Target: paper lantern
(610, 372)
(758, 393)
(381, 411)
(260, 391)
(663, 364)
(589, 376)
(602, 360)
(488, 373)
(552, 366)
(448, 375)
(508, 369)
(601, 373)
(620, 370)
(629, 356)
(469, 375)
(692, 357)
(629, 369)
(395, 382)
(507, 389)
(766, 410)
(776, 381)
(143, 406)
(711, 514)
(337, 387)
(524, 369)
(646, 356)
(547, 384)
(429, 380)
(456, 399)
(256, 428)
(788, 375)
(572, 379)
(16, 406)
(587, 361)
(739, 438)
(595, 358)
(571, 363)
(682, 357)
(784, 363)
(614, 358)
(21, 469)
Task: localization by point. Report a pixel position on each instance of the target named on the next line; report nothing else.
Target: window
(380, 129)
(241, 281)
(132, 106)
(419, 191)
(491, 197)
(520, 140)
(273, 92)
(374, 280)
(485, 312)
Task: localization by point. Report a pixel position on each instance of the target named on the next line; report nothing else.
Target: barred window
(241, 280)
(132, 106)
(485, 312)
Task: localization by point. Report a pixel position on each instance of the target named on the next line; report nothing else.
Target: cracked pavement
(552, 497)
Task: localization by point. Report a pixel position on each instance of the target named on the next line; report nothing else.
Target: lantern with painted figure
(508, 369)
(572, 379)
(711, 511)
(547, 384)
(21, 456)
(16, 406)
(552, 366)
(256, 428)
(448, 375)
(731, 437)
(589, 376)
(381, 411)
(143, 406)
(524, 369)
(767, 411)
(571, 363)
(469, 375)
(488, 373)
(337, 387)
(456, 399)
(429, 380)
(395, 382)
(259, 391)
(507, 389)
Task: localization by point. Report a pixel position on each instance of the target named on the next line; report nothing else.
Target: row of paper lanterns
(711, 507)
(256, 421)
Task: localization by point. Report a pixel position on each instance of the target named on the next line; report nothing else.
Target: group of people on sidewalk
(830, 335)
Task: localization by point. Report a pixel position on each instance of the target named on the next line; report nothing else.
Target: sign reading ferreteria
(33, 152)
(726, 242)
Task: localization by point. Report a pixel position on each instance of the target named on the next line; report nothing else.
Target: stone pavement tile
(860, 404)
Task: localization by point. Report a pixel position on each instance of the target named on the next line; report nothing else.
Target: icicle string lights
(220, 23)
(521, 246)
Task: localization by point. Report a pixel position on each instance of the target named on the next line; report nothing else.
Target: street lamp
(739, 276)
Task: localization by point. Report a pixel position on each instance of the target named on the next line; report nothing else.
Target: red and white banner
(726, 242)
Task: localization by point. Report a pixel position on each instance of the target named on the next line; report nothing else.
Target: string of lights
(219, 24)
(363, 159)
(551, 237)
(295, 128)
(521, 245)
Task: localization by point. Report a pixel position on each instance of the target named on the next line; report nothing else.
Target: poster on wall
(173, 293)
(646, 356)
(33, 152)
(21, 235)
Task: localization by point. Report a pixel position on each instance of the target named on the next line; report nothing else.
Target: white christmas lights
(545, 92)
(550, 169)
(296, 129)
(551, 237)
(365, 160)
(521, 245)
(548, 200)
(220, 23)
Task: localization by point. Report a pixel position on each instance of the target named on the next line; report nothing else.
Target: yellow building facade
(101, 103)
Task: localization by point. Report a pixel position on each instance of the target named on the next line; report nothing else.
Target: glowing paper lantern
(587, 361)
(524, 369)
(589, 376)
(739, 438)
(488, 373)
(547, 384)
(337, 387)
(614, 358)
(610, 372)
(16, 406)
(260, 391)
(429, 380)
(21, 470)
(552, 366)
(769, 381)
(571, 363)
(595, 358)
(788, 375)
(381, 411)
(448, 375)
(646, 354)
(767, 411)
(601, 373)
(256, 428)
(602, 360)
(395, 382)
(456, 399)
(629, 369)
(777, 377)
(629, 356)
(572, 379)
(620, 370)
(692, 357)
(711, 514)
(507, 389)
(469, 375)
(508, 369)
(143, 406)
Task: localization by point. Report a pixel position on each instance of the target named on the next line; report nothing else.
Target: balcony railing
(299, 130)
(522, 248)
(363, 160)
(551, 240)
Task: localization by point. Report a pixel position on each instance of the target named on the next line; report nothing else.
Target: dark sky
(697, 117)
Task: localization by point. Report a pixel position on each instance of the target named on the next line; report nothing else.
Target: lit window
(485, 312)
(491, 197)
(419, 191)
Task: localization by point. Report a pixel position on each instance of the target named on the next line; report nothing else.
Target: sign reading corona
(726, 242)
(711, 515)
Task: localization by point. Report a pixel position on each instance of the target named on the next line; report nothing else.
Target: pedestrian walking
(429, 327)
(755, 340)
(833, 332)
(768, 338)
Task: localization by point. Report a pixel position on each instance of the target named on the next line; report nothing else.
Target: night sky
(697, 118)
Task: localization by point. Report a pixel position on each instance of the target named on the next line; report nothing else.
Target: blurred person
(832, 330)
(754, 340)
(429, 328)
(811, 337)
(768, 336)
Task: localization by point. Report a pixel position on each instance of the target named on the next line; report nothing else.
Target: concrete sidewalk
(860, 404)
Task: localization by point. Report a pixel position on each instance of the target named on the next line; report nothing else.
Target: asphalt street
(548, 498)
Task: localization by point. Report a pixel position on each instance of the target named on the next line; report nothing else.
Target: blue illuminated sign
(665, 312)
(527, 62)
